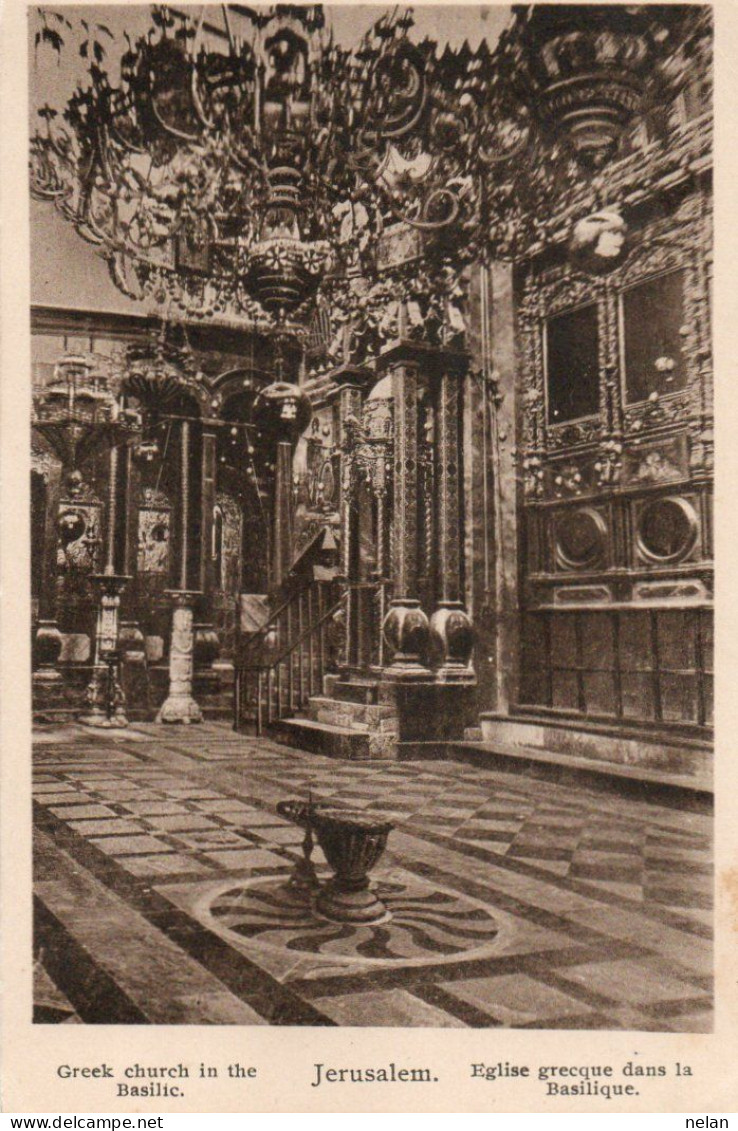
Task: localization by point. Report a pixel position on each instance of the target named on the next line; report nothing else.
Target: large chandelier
(79, 413)
(233, 174)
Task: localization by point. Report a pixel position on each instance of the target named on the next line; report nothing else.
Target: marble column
(451, 630)
(131, 640)
(133, 487)
(406, 629)
(105, 696)
(180, 706)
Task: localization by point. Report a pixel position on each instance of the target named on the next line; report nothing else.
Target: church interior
(372, 549)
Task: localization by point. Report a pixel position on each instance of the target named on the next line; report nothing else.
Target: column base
(179, 709)
(405, 669)
(406, 632)
(47, 646)
(49, 696)
(117, 722)
(452, 643)
(455, 673)
(97, 715)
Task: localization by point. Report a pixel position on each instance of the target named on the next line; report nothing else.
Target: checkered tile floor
(604, 903)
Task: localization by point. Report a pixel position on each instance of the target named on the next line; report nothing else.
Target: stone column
(451, 630)
(104, 692)
(133, 484)
(207, 506)
(406, 625)
(381, 596)
(282, 519)
(494, 429)
(180, 706)
(47, 644)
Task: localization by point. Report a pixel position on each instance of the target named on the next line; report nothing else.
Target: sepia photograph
(371, 572)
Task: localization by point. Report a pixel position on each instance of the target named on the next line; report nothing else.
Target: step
(373, 717)
(333, 741)
(691, 791)
(356, 690)
(627, 745)
(217, 712)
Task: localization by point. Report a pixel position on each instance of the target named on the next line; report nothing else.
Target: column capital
(351, 377)
(437, 359)
(108, 583)
(182, 598)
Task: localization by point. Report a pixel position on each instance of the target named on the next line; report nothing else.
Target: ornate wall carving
(615, 506)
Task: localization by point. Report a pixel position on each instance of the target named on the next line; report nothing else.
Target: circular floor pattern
(427, 924)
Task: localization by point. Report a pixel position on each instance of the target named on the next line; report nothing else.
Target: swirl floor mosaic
(426, 924)
(160, 894)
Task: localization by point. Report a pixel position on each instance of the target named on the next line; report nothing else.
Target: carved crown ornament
(244, 168)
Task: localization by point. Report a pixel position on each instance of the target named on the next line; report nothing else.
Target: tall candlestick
(184, 502)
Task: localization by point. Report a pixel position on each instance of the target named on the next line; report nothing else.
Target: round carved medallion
(581, 537)
(667, 530)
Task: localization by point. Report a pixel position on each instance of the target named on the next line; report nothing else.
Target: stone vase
(353, 843)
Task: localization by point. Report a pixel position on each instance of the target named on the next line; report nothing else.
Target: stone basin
(353, 842)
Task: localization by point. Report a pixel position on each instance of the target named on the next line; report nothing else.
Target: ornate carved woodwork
(406, 628)
(616, 502)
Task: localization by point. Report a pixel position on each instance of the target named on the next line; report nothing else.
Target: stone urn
(353, 843)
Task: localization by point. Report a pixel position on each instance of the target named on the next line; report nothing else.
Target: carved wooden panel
(617, 570)
(154, 533)
(670, 383)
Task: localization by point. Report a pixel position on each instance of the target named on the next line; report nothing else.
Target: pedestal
(406, 632)
(46, 648)
(49, 693)
(134, 669)
(180, 706)
(105, 697)
(452, 643)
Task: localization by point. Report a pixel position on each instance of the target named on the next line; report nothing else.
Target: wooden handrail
(265, 678)
(262, 682)
(300, 640)
(268, 625)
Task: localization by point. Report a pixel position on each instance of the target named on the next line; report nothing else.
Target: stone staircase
(346, 721)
